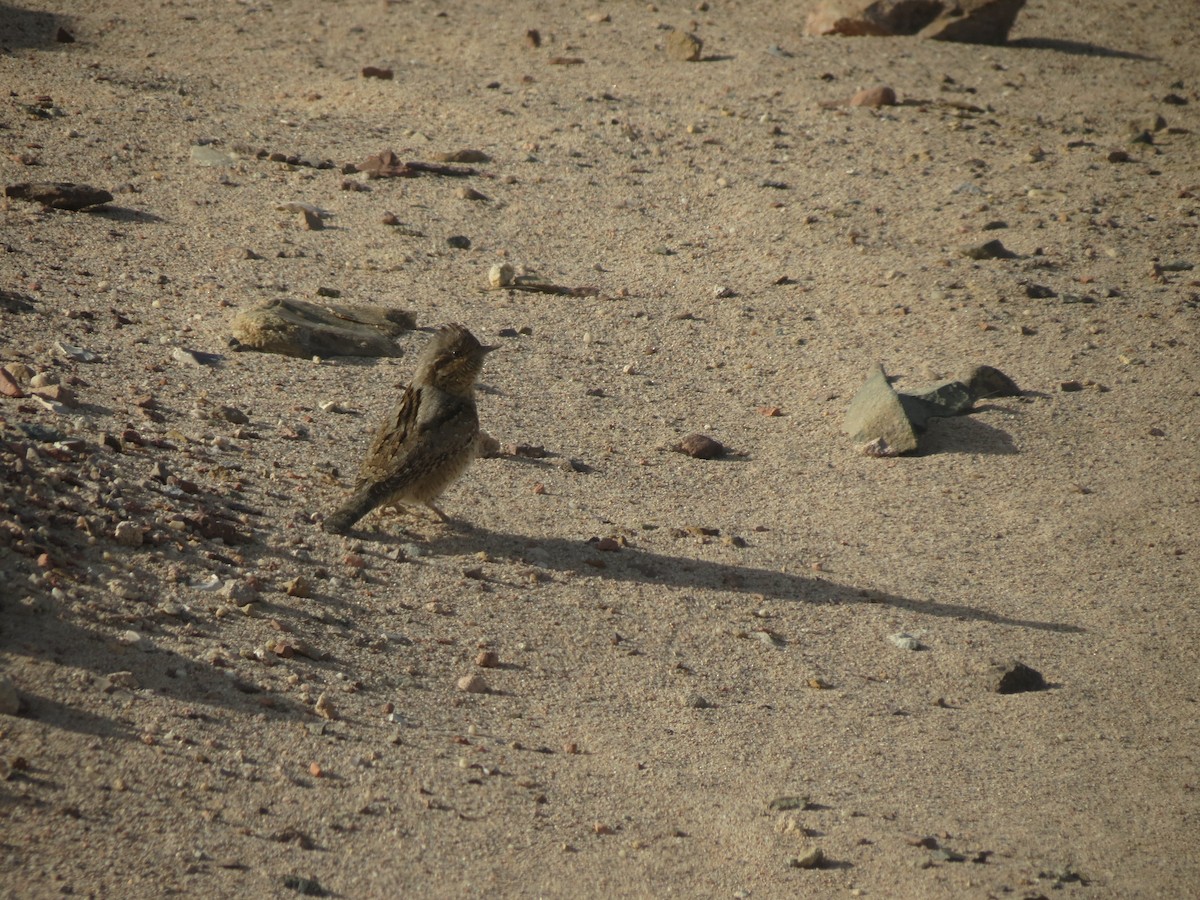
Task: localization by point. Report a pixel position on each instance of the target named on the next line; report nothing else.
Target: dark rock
(990, 250)
(59, 194)
(1013, 677)
(966, 21)
(1039, 292)
(700, 446)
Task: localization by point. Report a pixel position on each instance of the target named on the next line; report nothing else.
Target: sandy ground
(717, 698)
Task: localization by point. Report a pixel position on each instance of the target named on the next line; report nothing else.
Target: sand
(693, 685)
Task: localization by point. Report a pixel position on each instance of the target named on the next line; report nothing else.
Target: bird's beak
(488, 348)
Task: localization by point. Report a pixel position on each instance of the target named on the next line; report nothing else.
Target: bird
(428, 439)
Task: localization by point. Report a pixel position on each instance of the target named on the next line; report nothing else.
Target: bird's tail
(345, 516)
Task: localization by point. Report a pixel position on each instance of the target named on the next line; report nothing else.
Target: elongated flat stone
(302, 329)
(59, 194)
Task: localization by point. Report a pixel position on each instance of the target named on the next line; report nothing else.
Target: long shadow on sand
(637, 565)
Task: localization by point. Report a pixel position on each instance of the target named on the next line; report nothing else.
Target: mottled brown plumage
(428, 439)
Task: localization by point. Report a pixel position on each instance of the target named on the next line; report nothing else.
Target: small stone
(9, 386)
(810, 860)
(59, 194)
(311, 220)
(210, 156)
(129, 638)
(10, 700)
(1068, 387)
(473, 684)
(487, 659)
(905, 641)
(298, 587)
(118, 680)
(232, 415)
(684, 47)
(875, 97)
(128, 534)
(700, 446)
(78, 354)
(694, 701)
(1118, 156)
(1012, 677)
(459, 242)
(991, 250)
(378, 72)
(324, 707)
(501, 275)
(469, 193)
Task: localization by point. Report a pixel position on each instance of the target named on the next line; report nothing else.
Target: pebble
(694, 701)
(683, 47)
(208, 155)
(459, 242)
(473, 684)
(1012, 677)
(487, 659)
(905, 641)
(810, 860)
(298, 587)
(128, 534)
(117, 680)
(70, 351)
(991, 250)
(324, 707)
(501, 275)
(875, 97)
(700, 446)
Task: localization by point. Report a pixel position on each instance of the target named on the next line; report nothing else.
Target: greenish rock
(810, 860)
(208, 155)
(301, 329)
(893, 419)
(877, 415)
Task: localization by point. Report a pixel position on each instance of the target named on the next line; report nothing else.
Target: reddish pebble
(875, 97)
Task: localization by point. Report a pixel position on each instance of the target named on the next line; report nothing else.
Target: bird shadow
(634, 564)
(1077, 48)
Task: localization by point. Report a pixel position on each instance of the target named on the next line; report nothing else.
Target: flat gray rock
(302, 329)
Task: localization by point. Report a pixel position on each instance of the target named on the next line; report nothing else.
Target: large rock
(299, 328)
(876, 416)
(886, 422)
(966, 21)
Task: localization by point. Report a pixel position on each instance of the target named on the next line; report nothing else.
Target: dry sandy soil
(652, 709)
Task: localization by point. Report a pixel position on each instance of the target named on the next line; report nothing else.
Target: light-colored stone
(877, 413)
